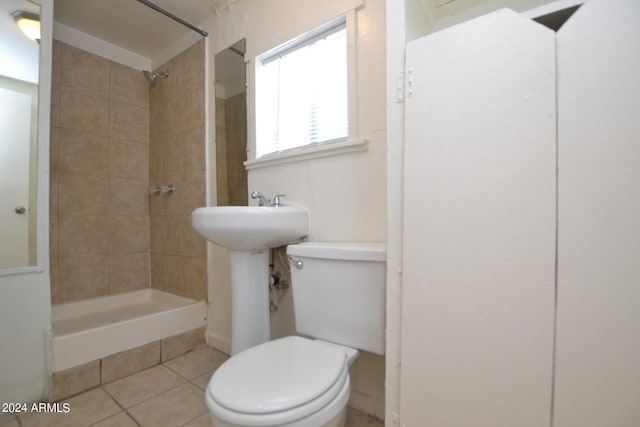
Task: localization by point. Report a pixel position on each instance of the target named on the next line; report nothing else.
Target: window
(301, 92)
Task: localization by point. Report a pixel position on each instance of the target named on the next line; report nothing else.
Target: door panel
(598, 325)
(479, 226)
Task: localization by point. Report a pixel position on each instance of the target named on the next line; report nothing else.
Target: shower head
(151, 78)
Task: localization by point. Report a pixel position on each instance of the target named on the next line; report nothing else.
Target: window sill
(309, 153)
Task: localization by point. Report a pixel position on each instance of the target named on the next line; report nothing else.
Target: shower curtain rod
(174, 17)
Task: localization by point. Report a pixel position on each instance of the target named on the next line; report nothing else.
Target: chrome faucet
(276, 200)
(263, 201)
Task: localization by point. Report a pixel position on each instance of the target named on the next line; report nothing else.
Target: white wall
(346, 194)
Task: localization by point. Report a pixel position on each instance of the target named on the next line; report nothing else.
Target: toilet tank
(339, 292)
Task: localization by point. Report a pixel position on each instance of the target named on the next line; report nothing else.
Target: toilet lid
(277, 376)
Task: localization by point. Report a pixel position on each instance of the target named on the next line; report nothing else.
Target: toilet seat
(278, 382)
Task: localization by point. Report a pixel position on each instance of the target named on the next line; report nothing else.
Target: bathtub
(88, 330)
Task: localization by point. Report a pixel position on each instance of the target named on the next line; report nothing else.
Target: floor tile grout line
(124, 410)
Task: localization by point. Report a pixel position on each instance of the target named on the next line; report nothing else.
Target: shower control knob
(20, 210)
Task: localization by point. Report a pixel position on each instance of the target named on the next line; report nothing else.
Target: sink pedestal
(250, 324)
(248, 232)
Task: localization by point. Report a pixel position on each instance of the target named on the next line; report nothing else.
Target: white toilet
(339, 297)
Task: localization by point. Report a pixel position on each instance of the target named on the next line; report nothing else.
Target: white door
(15, 148)
(598, 325)
(479, 226)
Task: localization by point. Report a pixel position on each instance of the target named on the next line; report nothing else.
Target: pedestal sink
(248, 232)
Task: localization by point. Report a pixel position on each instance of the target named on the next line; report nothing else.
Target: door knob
(20, 210)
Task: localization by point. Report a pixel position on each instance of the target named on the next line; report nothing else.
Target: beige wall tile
(82, 235)
(53, 258)
(75, 380)
(172, 153)
(173, 235)
(180, 344)
(158, 232)
(176, 153)
(156, 201)
(128, 197)
(169, 113)
(191, 108)
(128, 272)
(128, 234)
(129, 85)
(128, 362)
(54, 182)
(80, 194)
(128, 160)
(193, 66)
(56, 63)
(193, 245)
(195, 278)
(56, 91)
(155, 154)
(193, 148)
(85, 71)
(172, 203)
(157, 271)
(54, 141)
(84, 111)
(173, 274)
(129, 122)
(83, 153)
(84, 277)
(194, 191)
(90, 96)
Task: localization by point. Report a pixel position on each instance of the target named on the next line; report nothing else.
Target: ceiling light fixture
(29, 23)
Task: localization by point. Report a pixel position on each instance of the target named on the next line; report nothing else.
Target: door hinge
(404, 85)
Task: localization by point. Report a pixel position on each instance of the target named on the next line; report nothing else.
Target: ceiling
(132, 25)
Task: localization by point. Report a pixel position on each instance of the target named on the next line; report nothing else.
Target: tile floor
(170, 394)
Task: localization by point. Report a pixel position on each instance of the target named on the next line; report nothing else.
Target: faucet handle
(276, 200)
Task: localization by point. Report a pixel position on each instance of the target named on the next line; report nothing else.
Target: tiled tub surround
(177, 156)
(99, 161)
(111, 137)
(169, 394)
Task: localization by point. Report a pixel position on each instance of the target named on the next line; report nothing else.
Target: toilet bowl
(338, 297)
(291, 381)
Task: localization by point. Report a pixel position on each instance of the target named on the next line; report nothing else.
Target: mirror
(18, 137)
(231, 126)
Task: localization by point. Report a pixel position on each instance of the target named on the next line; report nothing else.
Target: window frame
(328, 148)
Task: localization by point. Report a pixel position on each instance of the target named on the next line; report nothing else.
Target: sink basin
(243, 228)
